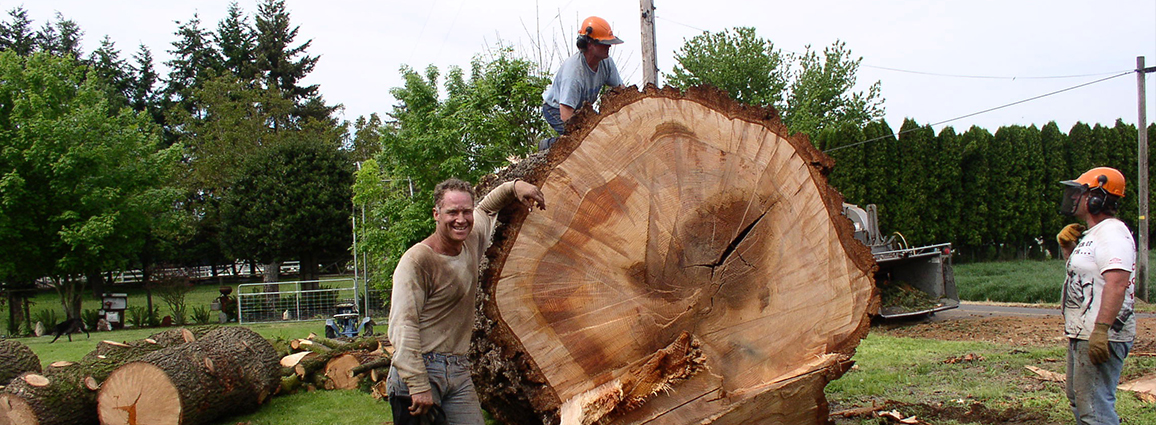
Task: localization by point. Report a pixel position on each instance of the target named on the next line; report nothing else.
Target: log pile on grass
(66, 392)
(334, 364)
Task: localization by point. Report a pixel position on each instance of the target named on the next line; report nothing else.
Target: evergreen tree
(195, 61)
(976, 236)
(367, 135)
(237, 44)
(61, 38)
(948, 200)
(16, 34)
(142, 94)
(283, 65)
(291, 201)
(909, 208)
(112, 71)
(1052, 142)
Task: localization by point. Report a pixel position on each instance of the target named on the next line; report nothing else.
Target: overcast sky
(937, 60)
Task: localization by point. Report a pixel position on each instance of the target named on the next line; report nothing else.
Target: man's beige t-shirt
(432, 306)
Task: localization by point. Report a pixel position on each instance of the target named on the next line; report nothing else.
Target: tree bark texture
(15, 359)
(70, 396)
(693, 266)
(230, 370)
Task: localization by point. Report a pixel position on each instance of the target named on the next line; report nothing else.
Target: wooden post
(649, 46)
(1142, 188)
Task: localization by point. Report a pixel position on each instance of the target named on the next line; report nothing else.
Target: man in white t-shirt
(1098, 293)
(581, 77)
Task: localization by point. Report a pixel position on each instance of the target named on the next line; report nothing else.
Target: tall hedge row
(993, 196)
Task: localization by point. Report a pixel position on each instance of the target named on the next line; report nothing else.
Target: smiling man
(431, 312)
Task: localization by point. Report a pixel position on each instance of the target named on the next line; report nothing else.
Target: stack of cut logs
(318, 363)
(179, 376)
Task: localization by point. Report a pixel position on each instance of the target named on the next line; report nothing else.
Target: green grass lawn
(1021, 281)
(913, 371)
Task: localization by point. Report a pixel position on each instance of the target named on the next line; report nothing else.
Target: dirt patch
(1012, 330)
(974, 413)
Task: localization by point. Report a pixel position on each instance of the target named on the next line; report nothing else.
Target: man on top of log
(581, 77)
(432, 307)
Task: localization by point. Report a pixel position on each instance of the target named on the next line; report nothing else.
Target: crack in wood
(732, 246)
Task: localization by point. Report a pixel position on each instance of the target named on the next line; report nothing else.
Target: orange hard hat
(1110, 179)
(598, 30)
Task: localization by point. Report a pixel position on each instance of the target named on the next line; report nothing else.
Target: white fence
(237, 269)
(306, 300)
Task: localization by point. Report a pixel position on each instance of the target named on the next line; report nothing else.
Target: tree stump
(229, 370)
(693, 266)
(15, 359)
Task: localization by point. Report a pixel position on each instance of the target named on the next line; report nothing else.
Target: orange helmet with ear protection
(598, 31)
(1109, 178)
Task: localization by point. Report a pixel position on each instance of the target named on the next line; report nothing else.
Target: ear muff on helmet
(584, 39)
(1104, 186)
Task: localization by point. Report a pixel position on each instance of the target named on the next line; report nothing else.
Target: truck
(912, 281)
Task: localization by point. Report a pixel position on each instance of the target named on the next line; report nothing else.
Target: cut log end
(338, 370)
(15, 411)
(188, 335)
(91, 383)
(62, 363)
(36, 380)
(139, 384)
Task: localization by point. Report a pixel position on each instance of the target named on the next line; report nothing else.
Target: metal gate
(306, 300)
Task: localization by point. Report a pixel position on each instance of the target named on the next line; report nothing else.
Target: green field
(1021, 281)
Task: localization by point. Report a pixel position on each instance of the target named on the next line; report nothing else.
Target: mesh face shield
(1072, 193)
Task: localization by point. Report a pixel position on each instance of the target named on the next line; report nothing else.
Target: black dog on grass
(69, 327)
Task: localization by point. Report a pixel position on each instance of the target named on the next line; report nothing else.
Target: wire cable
(984, 111)
(657, 16)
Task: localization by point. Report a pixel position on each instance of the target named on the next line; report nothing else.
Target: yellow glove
(1070, 235)
(1098, 344)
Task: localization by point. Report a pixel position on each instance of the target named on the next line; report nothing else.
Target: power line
(991, 77)
(985, 110)
(657, 16)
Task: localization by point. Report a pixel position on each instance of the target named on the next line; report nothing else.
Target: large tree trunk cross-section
(693, 266)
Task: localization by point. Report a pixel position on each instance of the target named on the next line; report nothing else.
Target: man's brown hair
(452, 185)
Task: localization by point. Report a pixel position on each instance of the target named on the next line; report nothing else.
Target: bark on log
(15, 359)
(69, 398)
(690, 245)
(228, 371)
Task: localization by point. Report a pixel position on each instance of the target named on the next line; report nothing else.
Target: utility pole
(1142, 176)
(649, 46)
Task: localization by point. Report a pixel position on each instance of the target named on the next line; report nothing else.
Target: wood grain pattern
(675, 214)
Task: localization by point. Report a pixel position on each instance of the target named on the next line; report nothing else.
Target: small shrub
(200, 315)
(172, 286)
(137, 316)
(90, 317)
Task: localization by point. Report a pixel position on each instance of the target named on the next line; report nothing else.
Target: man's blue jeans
(452, 389)
(554, 118)
(1092, 387)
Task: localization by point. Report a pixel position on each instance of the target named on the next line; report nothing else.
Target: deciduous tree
(80, 186)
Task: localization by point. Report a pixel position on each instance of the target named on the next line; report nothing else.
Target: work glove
(1098, 344)
(1070, 235)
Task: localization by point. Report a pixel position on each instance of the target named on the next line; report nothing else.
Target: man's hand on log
(422, 402)
(529, 195)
